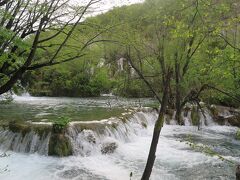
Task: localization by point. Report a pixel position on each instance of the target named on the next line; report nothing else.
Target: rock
(19, 127)
(59, 145)
(220, 120)
(90, 136)
(233, 120)
(25, 127)
(109, 148)
(225, 115)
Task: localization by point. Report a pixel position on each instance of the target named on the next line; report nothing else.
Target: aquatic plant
(60, 124)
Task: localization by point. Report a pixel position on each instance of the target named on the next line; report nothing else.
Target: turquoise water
(27, 108)
(175, 159)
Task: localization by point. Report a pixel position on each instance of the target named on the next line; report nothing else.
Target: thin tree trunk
(238, 172)
(178, 116)
(178, 105)
(157, 129)
(178, 91)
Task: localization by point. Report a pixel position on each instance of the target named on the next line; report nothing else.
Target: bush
(73, 84)
(60, 124)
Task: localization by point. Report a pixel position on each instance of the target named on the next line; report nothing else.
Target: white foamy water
(175, 159)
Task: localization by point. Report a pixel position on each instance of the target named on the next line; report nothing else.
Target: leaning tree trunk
(157, 129)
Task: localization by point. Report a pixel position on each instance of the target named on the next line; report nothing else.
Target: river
(175, 158)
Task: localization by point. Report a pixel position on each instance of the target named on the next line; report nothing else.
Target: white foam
(130, 156)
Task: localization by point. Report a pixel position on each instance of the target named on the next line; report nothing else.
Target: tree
(23, 25)
(176, 40)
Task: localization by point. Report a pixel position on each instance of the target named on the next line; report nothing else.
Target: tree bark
(178, 92)
(178, 103)
(157, 129)
(238, 172)
(178, 116)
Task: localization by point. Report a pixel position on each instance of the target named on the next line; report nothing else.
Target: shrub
(60, 124)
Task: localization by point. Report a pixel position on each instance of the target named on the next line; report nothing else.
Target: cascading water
(89, 137)
(86, 137)
(206, 118)
(175, 159)
(25, 143)
(111, 149)
(87, 142)
(187, 119)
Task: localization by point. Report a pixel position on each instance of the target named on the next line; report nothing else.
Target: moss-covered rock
(41, 129)
(59, 145)
(19, 127)
(233, 120)
(24, 128)
(94, 126)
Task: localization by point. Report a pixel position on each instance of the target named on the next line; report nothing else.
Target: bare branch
(142, 76)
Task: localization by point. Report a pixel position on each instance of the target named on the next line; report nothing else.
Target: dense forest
(183, 54)
(199, 40)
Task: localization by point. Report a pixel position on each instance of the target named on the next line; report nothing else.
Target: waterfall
(187, 119)
(92, 140)
(173, 120)
(89, 137)
(205, 118)
(30, 142)
(120, 63)
(209, 119)
(86, 137)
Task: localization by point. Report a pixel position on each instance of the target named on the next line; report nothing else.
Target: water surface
(27, 108)
(175, 158)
